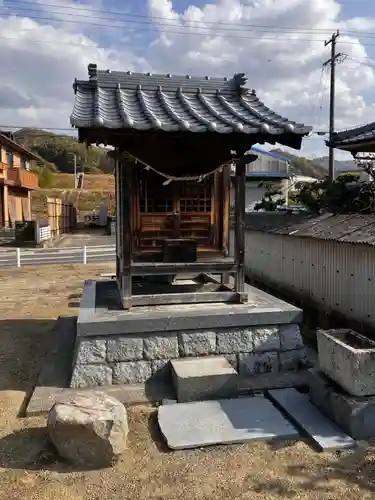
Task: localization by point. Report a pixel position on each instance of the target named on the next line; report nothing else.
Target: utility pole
(332, 61)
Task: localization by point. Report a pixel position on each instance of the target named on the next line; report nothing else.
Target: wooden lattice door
(177, 210)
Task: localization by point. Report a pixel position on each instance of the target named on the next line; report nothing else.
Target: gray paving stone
(232, 342)
(197, 343)
(124, 349)
(254, 364)
(326, 434)
(161, 346)
(226, 421)
(291, 337)
(266, 339)
(131, 372)
(91, 376)
(202, 378)
(91, 351)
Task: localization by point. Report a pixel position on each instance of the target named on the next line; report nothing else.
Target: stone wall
(131, 359)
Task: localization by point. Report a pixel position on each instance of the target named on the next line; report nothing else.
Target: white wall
(254, 193)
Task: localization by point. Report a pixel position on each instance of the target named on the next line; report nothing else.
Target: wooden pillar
(118, 219)
(240, 194)
(226, 209)
(124, 240)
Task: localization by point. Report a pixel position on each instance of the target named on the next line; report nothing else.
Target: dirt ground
(30, 301)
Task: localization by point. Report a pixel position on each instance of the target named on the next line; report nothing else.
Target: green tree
(345, 195)
(272, 198)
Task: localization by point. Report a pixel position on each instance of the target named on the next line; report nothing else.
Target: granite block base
(129, 347)
(356, 415)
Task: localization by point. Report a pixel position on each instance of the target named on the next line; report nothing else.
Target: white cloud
(282, 65)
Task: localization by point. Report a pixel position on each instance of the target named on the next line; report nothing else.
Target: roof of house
(353, 137)
(10, 143)
(268, 153)
(346, 228)
(115, 99)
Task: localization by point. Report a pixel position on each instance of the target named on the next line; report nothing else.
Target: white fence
(79, 255)
(337, 276)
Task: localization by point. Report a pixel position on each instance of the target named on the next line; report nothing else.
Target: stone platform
(114, 346)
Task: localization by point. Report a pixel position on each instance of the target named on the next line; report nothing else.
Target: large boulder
(89, 429)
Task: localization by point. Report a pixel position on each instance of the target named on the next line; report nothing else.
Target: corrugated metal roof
(115, 99)
(349, 228)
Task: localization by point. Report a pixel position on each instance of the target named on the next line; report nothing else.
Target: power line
(151, 19)
(156, 28)
(276, 37)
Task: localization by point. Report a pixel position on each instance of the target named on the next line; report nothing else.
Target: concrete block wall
(132, 359)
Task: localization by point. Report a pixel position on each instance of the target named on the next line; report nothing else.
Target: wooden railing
(22, 178)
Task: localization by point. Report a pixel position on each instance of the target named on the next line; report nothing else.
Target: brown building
(16, 181)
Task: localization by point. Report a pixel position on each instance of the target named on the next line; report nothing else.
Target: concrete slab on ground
(297, 407)
(197, 379)
(225, 421)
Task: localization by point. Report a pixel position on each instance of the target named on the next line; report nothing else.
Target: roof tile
(115, 99)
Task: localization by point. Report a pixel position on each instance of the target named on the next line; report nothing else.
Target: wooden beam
(160, 268)
(186, 298)
(240, 198)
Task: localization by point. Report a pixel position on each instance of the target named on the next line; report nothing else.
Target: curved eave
(221, 129)
(124, 109)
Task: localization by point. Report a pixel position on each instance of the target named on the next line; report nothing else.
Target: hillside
(303, 166)
(340, 165)
(62, 149)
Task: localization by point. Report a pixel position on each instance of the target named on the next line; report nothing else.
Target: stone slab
(202, 378)
(96, 318)
(225, 421)
(43, 398)
(356, 415)
(57, 364)
(327, 435)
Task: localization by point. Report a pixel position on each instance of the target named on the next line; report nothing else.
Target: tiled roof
(113, 99)
(348, 228)
(353, 136)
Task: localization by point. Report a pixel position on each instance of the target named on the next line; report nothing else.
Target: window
(10, 159)
(24, 163)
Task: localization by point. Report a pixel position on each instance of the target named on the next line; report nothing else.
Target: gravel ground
(31, 299)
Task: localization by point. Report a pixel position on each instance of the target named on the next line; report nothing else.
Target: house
(267, 169)
(16, 181)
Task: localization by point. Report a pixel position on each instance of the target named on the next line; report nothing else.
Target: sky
(279, 44)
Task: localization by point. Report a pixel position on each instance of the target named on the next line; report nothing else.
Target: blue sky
(285, 75)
